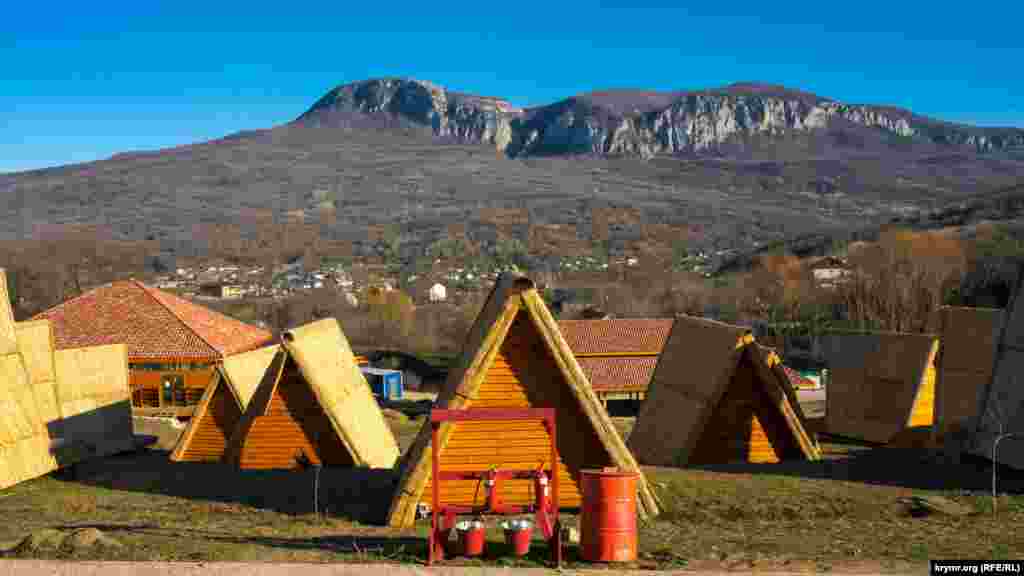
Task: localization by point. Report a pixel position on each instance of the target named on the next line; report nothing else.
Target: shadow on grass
(343, 544)
(358, 494)
(884, 466)
(405, 549)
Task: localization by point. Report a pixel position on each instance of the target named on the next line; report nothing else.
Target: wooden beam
(616, 354)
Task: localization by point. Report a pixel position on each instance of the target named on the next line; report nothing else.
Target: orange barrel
(608, 521)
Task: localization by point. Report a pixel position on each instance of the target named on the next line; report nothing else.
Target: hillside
(737, 167)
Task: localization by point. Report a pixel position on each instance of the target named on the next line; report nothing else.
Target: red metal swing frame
(545, 508)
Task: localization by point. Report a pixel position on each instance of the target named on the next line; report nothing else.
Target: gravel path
(55, 568)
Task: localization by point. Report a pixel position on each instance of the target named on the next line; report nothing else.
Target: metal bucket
(472, 536)
(517, 535)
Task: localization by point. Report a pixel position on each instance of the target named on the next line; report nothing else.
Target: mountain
(738, 167)
(647, 124)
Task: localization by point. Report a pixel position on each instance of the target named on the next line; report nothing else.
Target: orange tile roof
(619, 373)
(617, 354)
(616, 335)
(154, 324)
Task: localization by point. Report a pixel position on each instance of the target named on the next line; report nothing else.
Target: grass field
(842, 513)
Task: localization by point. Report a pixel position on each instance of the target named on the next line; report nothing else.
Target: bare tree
(898, 283)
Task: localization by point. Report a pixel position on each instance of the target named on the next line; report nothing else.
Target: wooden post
(556, 538)
(436, 548)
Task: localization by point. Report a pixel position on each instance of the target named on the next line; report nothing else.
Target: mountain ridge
(642, 123)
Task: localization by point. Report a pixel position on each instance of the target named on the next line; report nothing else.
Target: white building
(437, 293)
(830, 271)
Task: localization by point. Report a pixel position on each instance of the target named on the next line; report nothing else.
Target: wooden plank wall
(214, 428)
(523, 375)
(744, 426)
(143, 383)
(293, 423)
(923, 411)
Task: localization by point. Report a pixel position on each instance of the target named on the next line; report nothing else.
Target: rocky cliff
(644, 124)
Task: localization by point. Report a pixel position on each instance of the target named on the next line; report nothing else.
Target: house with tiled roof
(618, 355)
(173, 344)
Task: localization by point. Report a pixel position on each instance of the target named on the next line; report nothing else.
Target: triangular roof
(95, 402)
(1001, 410)
(24, 441)
(239, 375)
(968, 340)
(324, 358)
(511, 295)
(35, 345)
(8, 341)
(61, 407)
(154, 324)
(784, 376)
(694, 372)
(880, 384)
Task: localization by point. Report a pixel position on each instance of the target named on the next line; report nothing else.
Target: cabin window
(170, 366)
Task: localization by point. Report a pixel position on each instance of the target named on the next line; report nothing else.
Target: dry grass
(766, 518)
(841, 514)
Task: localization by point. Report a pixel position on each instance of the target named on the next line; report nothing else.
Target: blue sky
(85, 80)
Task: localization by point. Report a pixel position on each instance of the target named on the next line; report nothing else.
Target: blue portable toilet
(384, 383)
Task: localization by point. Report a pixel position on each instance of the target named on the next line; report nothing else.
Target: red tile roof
(617, 354)
(154, 324)
(619, 373)
(616, 335)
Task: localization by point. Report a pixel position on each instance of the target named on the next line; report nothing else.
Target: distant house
(617, 355)
(829, 271)
(437, 293)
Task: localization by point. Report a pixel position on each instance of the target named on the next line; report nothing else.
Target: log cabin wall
(214, 428)
(923, 411)
(146, 392)
(293, 423)
(744, 426)
(523, 375)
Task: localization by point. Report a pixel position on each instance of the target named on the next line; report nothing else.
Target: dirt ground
(55, 568)
(843, 514)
